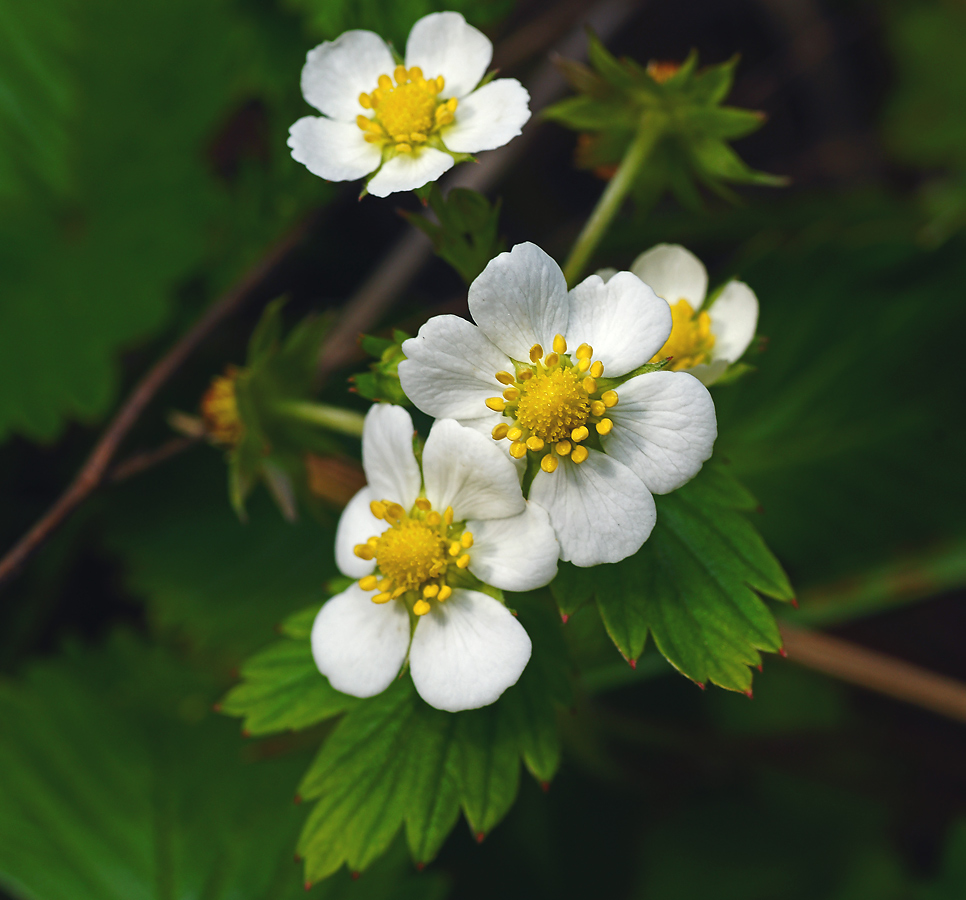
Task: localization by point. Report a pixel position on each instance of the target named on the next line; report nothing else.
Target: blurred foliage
(117, 782)
(381, 382)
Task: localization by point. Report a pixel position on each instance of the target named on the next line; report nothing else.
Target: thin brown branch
(140, 462)
(94, 471)
(876, 671)
(413, 250)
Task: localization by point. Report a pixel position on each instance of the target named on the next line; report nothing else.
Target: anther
(445, 592)
(584, 351)
(395, 511)
(597, 408)
(448, 515)
(511, 394)
(423, 504)
(404, 148)
(467, 539)
(497, 404)
(434, 518)
(583, 365)
(514, 434)
(579, 454)
(579, 434)
(401, 75)
(417, 137)
(368, 583)
(431, 590)
(421, 607)
(373, 542)
(609, 398)
(365, 101)
(363, 551)
(385, 82)
(463, 561)
(398, 592)
(551, 360)
(597, 369)
(604, 426)
(385, 584)
(500, 431)
(563, 447)
(536, 353)
(440, 83)
(525, 375)
(415, 73)
(549, 463)
(384, 597)
(517, 450)
(590, 385)
(559, 344)
(378, 509)
(504, 377)
(455, 548)
(535, 444)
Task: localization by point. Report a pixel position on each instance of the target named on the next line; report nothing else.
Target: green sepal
(692, 585)
(466, 231)
(381, 382)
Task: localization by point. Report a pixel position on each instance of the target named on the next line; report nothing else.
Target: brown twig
(876, 671)
(139, 462)
(95, 469)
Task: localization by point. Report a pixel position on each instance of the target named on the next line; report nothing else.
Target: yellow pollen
(590, 385)
(421, 607)
(525, 375)
(455, 548)
(535, 444)
(497, 404)
(609, 398)
(378, 509)
(584, 351)
(559, 344)
(423, 504)
(514, 434)
(579, 454)
(511, 394)
(384, 597)
(463, 561)
(408, 111)
(363, 551)
(434, 518)
(583, 365)
(548, 463)
(536, 353)
(406, 554)
(504, 378)
(219, 409)
(579, 434)
(368, 583)
(597, 369)
(604, 426)
(552, 404)
(518, 449)
(563, 447)
(431, 590)
(597, 408)
(444, 593)
(690, 342)
(448, 515)
(500, 431)
(467, 540)
(551, 360)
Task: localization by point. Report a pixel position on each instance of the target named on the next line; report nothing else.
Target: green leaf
(393, 762)
(714, 159)
(583, 113)
(692, 585)
(116, 782)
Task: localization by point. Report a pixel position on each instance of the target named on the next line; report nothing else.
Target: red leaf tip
(355, 876)
(479, 837)
(632, 663)
(216, 707)
(298, 799)
(760, 667)
(420, 866)
(749, 694)
(794, 602)
(564, 617)
(700, 684)
(308, 885)
(246, 733)
(545, 785)
(783, 652)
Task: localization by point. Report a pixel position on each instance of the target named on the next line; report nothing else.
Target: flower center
(551, 402)
(219, 409)
(690, 342)
(407, 113)
(416, 555)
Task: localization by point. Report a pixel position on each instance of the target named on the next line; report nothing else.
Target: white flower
(404, 122)
(420, 544)
(705, 339)
(600, 460)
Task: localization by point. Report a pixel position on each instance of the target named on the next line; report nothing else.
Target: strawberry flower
(407, 122)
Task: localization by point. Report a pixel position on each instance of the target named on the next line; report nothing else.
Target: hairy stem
(332, 418)
(648, 134)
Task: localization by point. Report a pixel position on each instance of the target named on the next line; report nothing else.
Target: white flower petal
(673, 273)
(709, 373)
(600, 510)
(408, 171)
(734, 318)
(444, 44)
(336, 151)
(520, 299)
(388, 457)
(515, 554)
(467, 471)
(359, 645)
(622, 319)
(467, 651)
(450, 368)
(489, 118)
(356, 525)
(664, 428)
(336, 72)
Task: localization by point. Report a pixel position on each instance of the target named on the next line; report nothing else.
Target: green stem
(332, 418)
(648, 134)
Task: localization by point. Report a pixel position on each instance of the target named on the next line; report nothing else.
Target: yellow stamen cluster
(414, 554)
(690, 342)
(407, 113)
(219, 409)
(552, 402)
